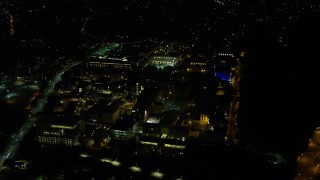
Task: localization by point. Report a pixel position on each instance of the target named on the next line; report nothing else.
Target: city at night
(164, 89)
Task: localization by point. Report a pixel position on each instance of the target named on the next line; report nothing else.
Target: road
(14, 144)
(234, 104)
(232, 118)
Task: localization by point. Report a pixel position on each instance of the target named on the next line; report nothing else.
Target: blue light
(223, 76)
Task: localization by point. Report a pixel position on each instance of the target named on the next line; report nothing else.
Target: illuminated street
(14, 144)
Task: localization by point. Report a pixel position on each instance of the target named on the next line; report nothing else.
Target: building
(123, 130)
(199, 64)
(160, 146)
(105, 111)
(114, 56)
(59, 123)
(223, 75)
(61, 104)
(223, 63)
(59, 130)
(162, 61)
(151, 130)
(110, 63)
(144, 102)
(163, 135)
(196, 121)
(105, 88)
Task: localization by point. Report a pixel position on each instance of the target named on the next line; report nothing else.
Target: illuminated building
(223, 66)
(204, 119)
(196, 122)
(124, 130)
(160, 146)
(163, 135)
(197, 65)
(59, 122)
(163, 61)
(59, 130)
(138, 88)
(113, 56)
(123, 133)
(226, 54)
(110, 63)
(224, 76)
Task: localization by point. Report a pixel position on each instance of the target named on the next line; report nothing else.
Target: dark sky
(280, 91)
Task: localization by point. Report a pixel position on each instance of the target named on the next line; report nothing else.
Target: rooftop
(60, 121)
(124, 124)
(105, 106)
